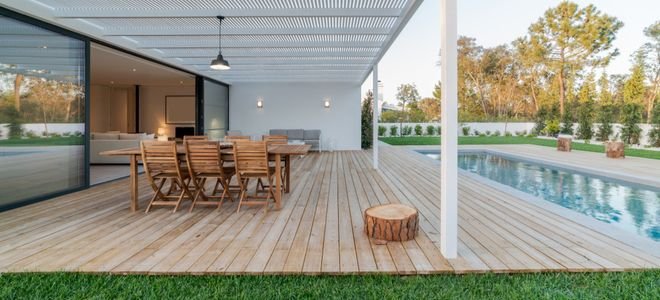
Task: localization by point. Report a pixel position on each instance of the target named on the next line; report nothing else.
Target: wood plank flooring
(317, 231)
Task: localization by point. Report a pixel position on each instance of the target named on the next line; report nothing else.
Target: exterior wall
(152, 107)
(299, 106)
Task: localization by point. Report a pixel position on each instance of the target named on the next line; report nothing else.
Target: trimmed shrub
(406, 130)
(487, 132)
(31, 134)
(507, 133)
(381, 130)
(430, 130)
(466, 130)
(477, 133)
(439, 130)
(497, 133)
(552, 128)
(419, 130)
(394, 130)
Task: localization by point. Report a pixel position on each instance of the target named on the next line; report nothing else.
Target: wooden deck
(318, 230)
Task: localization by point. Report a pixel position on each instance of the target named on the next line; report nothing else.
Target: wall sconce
(161, 135)
(260, 103)
(326, 103)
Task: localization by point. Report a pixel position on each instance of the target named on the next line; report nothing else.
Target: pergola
(268, 41)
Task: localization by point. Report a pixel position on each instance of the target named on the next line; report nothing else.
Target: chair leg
(157, 193)
(243, 184)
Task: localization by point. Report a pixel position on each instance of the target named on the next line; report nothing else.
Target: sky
(413, 57)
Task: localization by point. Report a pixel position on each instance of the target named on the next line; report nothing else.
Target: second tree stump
(391, 222)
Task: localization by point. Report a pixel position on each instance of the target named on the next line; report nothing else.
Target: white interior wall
(299, 106)
(110, 108)
(152, 107)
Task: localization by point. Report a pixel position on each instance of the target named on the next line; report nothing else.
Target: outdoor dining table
(277, 152)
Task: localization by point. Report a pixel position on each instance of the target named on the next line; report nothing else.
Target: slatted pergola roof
(263, 40)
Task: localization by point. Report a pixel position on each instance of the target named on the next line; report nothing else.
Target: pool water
(631, 207)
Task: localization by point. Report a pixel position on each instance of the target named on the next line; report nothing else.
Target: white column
(374, 146)
(449, 148)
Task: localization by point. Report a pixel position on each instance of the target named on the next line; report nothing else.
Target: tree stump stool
(391, 222)
(615, 150)
(564, 144)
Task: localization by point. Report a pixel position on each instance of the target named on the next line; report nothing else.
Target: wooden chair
(161, 163)
(204, 161)
(251, 162)
(195, 138)
(231, 138)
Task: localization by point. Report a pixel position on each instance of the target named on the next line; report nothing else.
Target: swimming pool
(631, 207)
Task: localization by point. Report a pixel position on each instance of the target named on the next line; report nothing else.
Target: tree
(367, 119)
(571, 38)
(605, 117)
(634, 88)
(431, 108)
(630, 117)
(390, 116)
(586, 97)
(407, 94)
(567, 119)
(18, 81)
(650, 55)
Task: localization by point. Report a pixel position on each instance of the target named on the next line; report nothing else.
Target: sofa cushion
(277, 132)
(105, 136)
(132, 136)
(295, 134)
(313, 134)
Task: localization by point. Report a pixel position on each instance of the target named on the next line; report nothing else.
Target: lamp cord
(220, 37)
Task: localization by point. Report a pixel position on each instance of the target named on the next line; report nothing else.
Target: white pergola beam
(150, 12)
(374, 121)
(165, 31)
(165, 44)
(449, 147)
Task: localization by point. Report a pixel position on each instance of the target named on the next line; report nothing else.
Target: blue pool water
(633, 208)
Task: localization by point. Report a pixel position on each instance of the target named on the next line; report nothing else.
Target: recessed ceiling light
(112, 82)
(181, 82)
(134, 70)
(44, 47)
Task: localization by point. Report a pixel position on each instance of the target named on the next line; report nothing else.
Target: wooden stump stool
(615, 150)
(391, 222)
(564, 144)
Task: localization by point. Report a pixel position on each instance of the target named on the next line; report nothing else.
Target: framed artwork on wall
(180, 109)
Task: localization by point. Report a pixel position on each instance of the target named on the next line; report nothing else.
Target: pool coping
(647, 245)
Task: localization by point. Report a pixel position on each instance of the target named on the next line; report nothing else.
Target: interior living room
(132, 99)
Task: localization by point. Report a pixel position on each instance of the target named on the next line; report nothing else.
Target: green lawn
(630, 285)
(493, 140)
(51, 141)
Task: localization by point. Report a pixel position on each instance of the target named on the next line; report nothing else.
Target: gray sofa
(310, 137)
(100, 142)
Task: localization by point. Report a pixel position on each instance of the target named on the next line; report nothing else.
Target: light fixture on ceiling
(326, 103)
(260, 103)
(219, 63)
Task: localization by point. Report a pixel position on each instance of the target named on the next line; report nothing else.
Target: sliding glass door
(215, 109)
(42, 111)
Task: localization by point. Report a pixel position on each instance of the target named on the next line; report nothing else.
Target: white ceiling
(263, 40)
(112, 67)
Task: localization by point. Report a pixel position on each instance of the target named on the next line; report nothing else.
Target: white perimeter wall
(298, 106)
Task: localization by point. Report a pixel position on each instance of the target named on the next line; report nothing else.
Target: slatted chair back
(203, 157)
(276, 139)
(251, 158)
(195, 138)
(231, 138)
(160, 158)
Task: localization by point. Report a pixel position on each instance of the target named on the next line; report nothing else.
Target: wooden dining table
(276, 152)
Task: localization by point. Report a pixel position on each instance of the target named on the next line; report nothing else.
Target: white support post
(449, 147)
(374, 146)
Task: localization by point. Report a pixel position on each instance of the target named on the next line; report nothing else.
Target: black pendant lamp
(219, 63)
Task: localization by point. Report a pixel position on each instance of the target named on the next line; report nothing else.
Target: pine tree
(367, 119)
(605, 119)
(567, 119)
